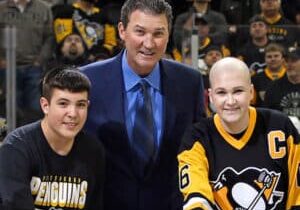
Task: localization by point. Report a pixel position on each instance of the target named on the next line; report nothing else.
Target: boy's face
(65, 113)
(274, 60)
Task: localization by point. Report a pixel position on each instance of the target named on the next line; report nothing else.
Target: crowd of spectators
(77, 32)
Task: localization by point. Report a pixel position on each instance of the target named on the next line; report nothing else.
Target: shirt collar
(131, 78)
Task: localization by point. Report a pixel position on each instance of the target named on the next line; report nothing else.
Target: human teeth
(149, 53)
(71, 124)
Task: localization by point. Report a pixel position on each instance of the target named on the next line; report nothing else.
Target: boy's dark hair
(64, 78)
(155, 7)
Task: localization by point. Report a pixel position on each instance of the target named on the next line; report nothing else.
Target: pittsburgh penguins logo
(90, 31)
(257, 67)
(250, 189)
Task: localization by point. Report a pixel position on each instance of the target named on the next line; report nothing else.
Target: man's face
(270, 5)
(65, 113)
(212, 56)
(274, 60)
(231, 94)
(293, 70)
(72, 47)
(145, 38)
(258, 30)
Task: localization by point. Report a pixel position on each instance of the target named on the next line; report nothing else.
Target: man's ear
(44, 105)
(121, 30)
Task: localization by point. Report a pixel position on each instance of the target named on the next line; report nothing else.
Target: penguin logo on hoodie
(249, 189)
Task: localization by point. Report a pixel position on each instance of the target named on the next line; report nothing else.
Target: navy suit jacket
(182, 91)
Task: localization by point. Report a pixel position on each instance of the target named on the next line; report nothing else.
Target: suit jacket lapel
(115, 99)
(169, 99)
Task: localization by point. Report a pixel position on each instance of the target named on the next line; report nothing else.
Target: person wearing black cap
(205, 40)
(253, 52)
(284, 94)
(184, 22)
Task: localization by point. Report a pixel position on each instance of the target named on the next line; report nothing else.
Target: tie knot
(143, 84)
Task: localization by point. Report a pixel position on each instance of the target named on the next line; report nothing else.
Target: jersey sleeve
(193, 174)
(293, 197)
(14, 180)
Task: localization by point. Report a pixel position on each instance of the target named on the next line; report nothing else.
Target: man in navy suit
(176, 98)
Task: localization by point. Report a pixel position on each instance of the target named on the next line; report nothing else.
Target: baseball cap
(257, 18)
(294, 54)
(213, 48)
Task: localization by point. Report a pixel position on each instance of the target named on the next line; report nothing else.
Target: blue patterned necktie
(143, 129)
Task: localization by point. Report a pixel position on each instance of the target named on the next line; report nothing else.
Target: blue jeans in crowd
(28, 89)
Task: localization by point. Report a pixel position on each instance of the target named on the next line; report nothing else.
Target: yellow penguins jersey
(258, 169)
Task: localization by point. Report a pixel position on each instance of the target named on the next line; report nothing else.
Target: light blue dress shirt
(131, 79)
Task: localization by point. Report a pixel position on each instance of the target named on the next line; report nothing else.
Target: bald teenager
(242, 157)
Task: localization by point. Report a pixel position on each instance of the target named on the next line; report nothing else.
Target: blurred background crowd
(77, 32)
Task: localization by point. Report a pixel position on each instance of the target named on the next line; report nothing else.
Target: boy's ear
(44, 105)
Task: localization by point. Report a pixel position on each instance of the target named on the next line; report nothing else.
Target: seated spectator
(84, 18)
(71, 51)
(253, 52)
(210, 56)
(281, 30)
(284, 94)
(275, 69)
(184, 22)
(205, 41)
